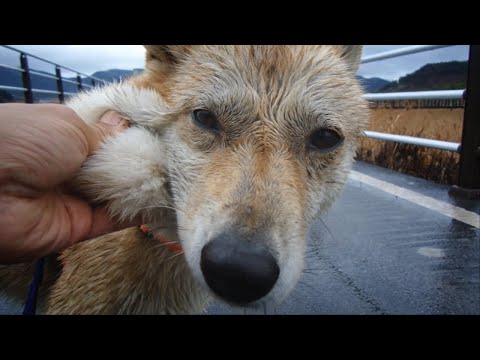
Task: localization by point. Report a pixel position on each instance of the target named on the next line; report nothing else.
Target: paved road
(376, 253)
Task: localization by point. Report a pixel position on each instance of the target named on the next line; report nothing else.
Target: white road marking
(452, 211)
(431, 252)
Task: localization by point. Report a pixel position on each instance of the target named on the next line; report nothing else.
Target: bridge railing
(469, 148)
(26, 79)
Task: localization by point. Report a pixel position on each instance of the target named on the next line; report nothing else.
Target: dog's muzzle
(238, 269)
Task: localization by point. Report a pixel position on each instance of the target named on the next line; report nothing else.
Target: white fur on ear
(128, 174)
(142, 106)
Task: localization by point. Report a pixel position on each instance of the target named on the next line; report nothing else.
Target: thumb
(102, 224)
(109, 124)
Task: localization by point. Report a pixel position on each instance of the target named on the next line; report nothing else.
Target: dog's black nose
(238, 270)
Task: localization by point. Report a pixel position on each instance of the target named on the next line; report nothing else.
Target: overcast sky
(90, 58)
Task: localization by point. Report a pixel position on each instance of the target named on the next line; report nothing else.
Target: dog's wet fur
(232, 152)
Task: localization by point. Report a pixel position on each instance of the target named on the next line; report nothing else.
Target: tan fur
(125, 273)
(256, 176)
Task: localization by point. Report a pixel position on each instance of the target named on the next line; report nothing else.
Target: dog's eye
(206, 119)
(325, 140)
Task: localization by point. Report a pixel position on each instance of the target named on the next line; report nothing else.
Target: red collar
(174, 246)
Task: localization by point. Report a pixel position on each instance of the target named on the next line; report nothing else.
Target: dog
(231, 153)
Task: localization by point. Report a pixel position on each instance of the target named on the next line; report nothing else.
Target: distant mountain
(371, 85)
(439, 76)
(115, 74)
(13, 78)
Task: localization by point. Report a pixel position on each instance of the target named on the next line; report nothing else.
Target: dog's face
(258, 140)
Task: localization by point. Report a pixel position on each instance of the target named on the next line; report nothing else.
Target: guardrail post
(469, 174)
(79, 83)
(26, 81)
(61, 95)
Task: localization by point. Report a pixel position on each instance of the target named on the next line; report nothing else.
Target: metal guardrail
(411, 95)
(469, 149)
(50, 62)
(401, 52)
(11, 67)
(417, 95)
(27, 88)
(4, 87)
(434, 144)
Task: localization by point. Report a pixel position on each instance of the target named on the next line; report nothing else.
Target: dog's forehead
(266, 74)
(257, 64)
(261, 55)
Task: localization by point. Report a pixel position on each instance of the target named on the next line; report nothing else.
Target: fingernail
(111, 118)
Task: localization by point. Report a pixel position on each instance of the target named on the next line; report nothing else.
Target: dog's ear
(352, 55)
(166, 55)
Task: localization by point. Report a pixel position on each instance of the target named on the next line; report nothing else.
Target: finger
(42, 146)
(87, 222)
(110, 124)
(102, 224)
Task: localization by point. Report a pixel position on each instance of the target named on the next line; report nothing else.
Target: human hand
(42, 147)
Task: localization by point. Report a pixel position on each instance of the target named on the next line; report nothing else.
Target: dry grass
(439, 124)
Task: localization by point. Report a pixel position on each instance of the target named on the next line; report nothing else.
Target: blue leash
(31, 304)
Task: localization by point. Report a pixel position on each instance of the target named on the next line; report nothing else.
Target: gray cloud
(83, 58)
(392, 69)
(90, 58)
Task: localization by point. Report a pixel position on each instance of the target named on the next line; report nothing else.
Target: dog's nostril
(237, 270)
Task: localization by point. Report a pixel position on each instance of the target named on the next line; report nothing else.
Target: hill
(115, 74)
(371, 85)
(439, 76)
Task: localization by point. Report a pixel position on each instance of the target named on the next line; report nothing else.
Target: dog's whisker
(174, 256)
(310, 272)
(171, 207)
(159, 207)
(295, 236)
(165, 244)
(173, 228)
